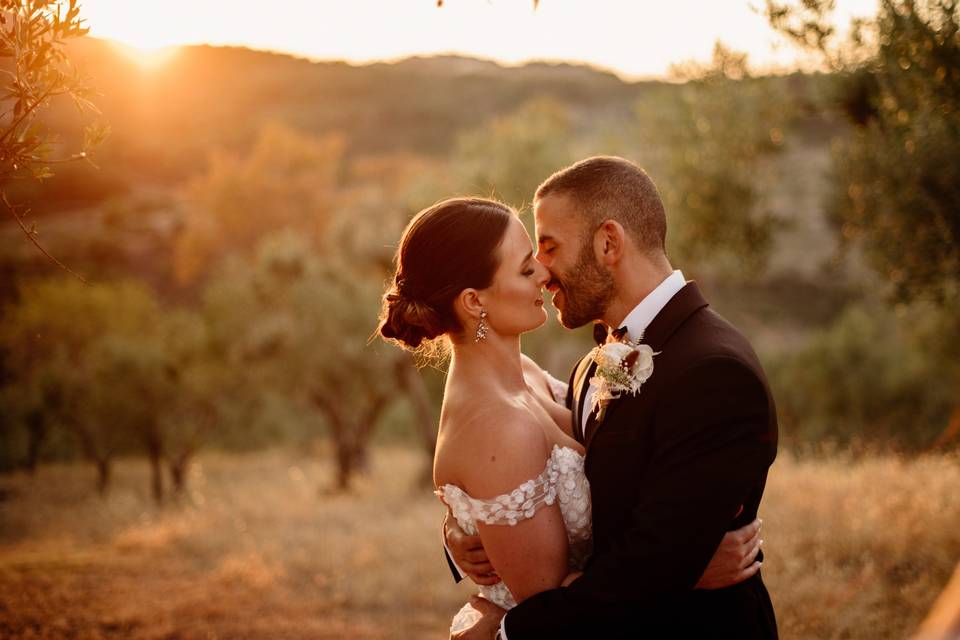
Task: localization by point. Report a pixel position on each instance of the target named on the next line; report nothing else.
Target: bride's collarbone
(463, 412)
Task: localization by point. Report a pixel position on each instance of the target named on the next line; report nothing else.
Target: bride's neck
(495, 360)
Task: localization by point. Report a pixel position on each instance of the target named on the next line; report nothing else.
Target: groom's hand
(486, 627)
(468, 553)
(735, 559)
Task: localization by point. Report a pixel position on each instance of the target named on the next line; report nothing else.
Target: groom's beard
(587, 290)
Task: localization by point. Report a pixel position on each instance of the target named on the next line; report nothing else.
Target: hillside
(167, 120)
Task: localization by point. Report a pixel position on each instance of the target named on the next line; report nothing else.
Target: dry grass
(855, 550)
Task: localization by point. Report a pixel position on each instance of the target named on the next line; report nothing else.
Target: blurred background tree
(509, 157)
(708, 143)
(301, 332)
(57, 340)
(895, 194)
(287, 180)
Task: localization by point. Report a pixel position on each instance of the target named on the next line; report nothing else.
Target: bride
(506, 464)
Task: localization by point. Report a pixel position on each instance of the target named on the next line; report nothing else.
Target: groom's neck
(634, 280)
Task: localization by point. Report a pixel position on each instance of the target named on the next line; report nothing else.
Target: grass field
(258, 550)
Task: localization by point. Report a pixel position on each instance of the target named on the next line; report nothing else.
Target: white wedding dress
(562, 481)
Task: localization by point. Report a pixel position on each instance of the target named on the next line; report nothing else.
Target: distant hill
(165, 121)
(220, 95)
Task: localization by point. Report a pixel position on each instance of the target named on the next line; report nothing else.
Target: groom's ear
(609, 242)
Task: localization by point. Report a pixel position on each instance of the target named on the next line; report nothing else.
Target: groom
(672, 468)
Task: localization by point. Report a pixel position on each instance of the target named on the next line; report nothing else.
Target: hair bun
(445, 248)
(407, 320)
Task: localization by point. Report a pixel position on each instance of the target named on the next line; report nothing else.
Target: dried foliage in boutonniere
(622, 368)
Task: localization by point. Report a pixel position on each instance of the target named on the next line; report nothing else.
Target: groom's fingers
(749, 533)
(487, 579)
(476, 556)
(749, 572)
(479, 568)
(470, 542)
(485, 607)
(752, 550)
(751, 542)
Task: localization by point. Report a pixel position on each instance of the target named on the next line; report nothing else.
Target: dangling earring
(481, 327)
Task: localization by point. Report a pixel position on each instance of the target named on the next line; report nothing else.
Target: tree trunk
(37, 430)
(411, 382)
(361, 459)
(178, 473)
(103, 476)
(346, 457)
(179, 463)
(97, 455)
(351, 435)
(155, 453)
(425, 420)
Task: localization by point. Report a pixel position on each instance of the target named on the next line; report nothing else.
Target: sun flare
(148, 58)
(635, 39)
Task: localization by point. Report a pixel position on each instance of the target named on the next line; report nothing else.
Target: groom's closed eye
(546, 248)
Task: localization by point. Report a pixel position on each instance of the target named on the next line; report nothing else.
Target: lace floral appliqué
(562, 481)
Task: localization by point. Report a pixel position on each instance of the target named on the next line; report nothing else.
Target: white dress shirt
(636, 323)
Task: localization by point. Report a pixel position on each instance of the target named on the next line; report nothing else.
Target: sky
(636, 39)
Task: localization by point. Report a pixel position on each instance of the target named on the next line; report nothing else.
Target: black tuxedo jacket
(669, 470)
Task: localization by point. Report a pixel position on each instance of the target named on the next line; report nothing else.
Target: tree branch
(30, 236)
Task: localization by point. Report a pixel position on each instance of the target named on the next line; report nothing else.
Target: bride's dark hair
(445, 249)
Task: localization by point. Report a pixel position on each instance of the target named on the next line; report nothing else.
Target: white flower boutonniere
(622, 368)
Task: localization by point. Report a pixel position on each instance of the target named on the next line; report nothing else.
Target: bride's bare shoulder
(534, 374)
(492, 446)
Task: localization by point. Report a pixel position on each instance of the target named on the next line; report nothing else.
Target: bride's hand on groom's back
(468, 553)
(735, 559)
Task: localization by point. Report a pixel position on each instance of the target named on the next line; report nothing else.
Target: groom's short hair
(612, 188)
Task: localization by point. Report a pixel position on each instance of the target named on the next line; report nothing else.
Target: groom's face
(581, 287)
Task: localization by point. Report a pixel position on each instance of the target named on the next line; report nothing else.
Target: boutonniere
(622, 368)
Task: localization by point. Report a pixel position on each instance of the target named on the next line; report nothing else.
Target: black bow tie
(601, 333)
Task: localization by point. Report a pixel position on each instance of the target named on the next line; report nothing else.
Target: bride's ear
(469, 305)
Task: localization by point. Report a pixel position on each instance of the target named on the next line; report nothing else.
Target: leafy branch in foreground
(34, 69)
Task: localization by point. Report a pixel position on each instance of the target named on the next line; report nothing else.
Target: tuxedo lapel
(590, 427)
(581, 385)
(681, 306)
(686, 301)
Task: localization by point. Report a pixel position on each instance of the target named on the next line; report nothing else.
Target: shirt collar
(643, 314)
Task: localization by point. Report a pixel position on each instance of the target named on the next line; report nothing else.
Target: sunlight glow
(150, 58)
(634, 38)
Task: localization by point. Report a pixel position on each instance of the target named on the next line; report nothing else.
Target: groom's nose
(544, 276)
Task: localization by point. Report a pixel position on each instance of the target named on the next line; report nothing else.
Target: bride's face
(514, 302)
